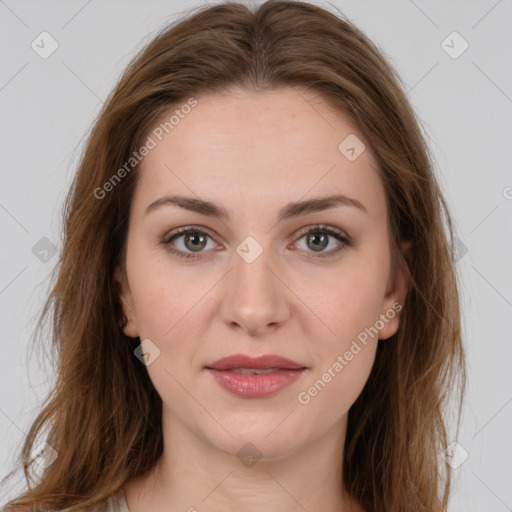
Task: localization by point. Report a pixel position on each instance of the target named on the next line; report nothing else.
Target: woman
(256, 304)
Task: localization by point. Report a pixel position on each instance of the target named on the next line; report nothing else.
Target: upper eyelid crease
(291, 210)
(326, 228)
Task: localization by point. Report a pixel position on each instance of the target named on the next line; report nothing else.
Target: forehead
(283, 143)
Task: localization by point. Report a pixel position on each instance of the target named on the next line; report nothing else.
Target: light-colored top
(117, 503)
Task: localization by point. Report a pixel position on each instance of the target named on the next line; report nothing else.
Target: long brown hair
(103, 417)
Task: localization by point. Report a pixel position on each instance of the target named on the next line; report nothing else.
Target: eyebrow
(294, 209)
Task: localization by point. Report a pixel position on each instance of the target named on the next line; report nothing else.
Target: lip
(258, 363)
(253, 385)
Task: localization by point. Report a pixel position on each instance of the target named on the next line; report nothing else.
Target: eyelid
(323, 227)
(173, 233)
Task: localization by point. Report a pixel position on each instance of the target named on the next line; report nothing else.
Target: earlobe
(396, 294)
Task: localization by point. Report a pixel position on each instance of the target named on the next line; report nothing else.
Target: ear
(396, 293)
(126, 301)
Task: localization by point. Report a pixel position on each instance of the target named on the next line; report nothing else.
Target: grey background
(465, 107)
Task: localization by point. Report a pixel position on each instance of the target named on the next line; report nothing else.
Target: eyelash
(318, 228)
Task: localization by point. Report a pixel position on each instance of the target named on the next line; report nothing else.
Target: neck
(193, 475)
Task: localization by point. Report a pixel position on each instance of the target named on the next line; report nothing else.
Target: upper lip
(258, 363)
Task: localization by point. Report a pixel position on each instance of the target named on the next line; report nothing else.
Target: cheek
(167, 312)
(346, 357)
(157, 307)
(347, 300)
(172, 309)
(163, 293)
(333, 390)
(346, 352)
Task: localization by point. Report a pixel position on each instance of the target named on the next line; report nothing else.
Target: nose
(255, 297)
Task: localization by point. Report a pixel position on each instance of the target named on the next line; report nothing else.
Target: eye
(195, 240)
(317, 238)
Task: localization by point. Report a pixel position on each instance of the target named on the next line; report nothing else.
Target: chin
(258, 442)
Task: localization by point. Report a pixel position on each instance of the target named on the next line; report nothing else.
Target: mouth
(245, 362)
(253, 371)
(250, 377)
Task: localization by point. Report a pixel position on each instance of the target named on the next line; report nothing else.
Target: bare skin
(253, 154)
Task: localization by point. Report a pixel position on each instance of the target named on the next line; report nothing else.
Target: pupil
(194, 243)
(316, 236)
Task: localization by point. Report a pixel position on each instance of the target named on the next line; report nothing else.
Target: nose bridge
(255, 296)
(251, 275)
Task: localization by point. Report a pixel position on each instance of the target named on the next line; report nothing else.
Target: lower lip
(255, 386)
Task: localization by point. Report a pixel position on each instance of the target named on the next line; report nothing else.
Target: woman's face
(256, 283)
